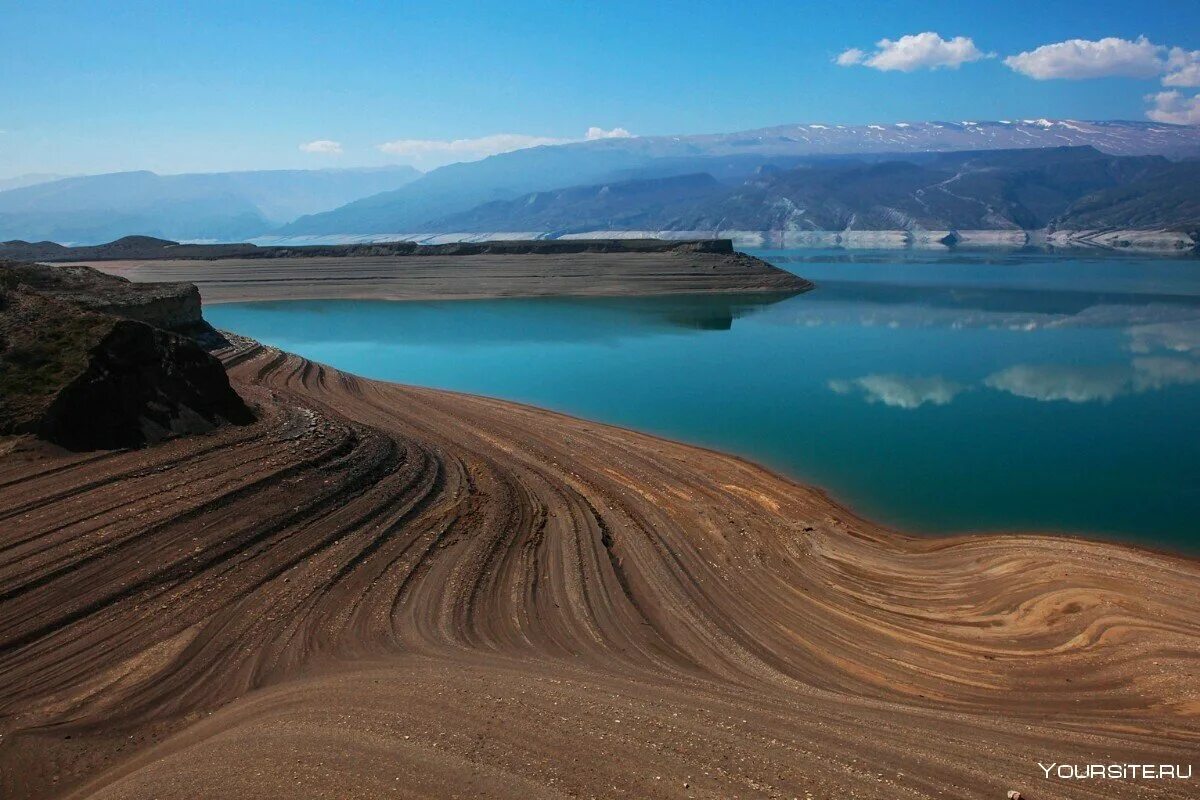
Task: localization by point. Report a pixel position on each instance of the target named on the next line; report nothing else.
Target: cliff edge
(90, 361)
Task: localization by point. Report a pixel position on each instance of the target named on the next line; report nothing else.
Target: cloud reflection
(1176, 337)
(1049, 382)
(899, 391)
(1052, 382)
(1041, 382)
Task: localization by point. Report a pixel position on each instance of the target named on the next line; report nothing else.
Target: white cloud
(1183, 68)
(1082, 58)
(427, 153)
(599, 133)
(1111, 57)
(899, 391)
(324, 147)
(467, 149)
(926, 50)
(1114, 57)
(1174, 108)
(850, 57)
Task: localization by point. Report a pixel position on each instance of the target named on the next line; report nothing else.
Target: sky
(90, 87)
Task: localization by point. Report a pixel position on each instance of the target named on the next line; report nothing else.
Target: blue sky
(103, 86)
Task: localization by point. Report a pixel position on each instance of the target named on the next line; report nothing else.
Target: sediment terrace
(460, 277)
(382, 591)
(463, 277)
(408, 271)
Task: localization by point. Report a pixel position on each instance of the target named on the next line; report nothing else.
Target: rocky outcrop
(87, 361)
(174, 306)
(141, 385)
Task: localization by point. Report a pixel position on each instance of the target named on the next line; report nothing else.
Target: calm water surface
(934, 392)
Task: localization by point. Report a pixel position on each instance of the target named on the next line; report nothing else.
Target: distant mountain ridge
(425, 204)
(220, 206)
(1167, 198)
(688, 177)
(148, 248)
(29, 179)
(980, 190)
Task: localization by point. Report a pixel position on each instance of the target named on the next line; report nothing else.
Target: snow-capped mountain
(1117, 137)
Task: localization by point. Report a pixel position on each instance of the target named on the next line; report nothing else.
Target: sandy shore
(381, 591)
(432, 277)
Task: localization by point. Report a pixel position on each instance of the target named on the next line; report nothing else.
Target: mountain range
(933, 175)
(220, 206)
(431, 202)
(980, 190)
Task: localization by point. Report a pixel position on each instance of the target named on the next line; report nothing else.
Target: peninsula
(406, 271)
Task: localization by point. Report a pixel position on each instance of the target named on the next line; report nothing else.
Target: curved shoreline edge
(380, 590)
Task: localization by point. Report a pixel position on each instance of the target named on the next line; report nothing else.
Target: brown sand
(432, 277)
(381, 591)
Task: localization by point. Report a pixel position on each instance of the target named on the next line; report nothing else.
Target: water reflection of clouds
(899, 391)
(1181, 322)
(1176, 337)
(1041, 382)
(1164, 339)
(1047, 383)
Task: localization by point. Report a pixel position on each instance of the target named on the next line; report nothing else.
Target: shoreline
(384, 297)
(285, 292)
(1133, 241)
(371, 562)
(842, 505)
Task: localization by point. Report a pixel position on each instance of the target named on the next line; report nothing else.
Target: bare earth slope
(380, 591)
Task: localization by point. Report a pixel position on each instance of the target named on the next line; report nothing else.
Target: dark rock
(141, 385)
(82, 366)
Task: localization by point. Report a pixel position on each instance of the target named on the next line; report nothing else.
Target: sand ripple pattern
(383, 591)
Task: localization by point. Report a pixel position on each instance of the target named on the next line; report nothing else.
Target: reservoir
(936, 392)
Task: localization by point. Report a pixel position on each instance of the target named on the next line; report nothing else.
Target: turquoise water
(936, 393)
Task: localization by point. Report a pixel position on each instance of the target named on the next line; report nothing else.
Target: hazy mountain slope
(459, 187)
(624, 205)
(28, 179)
(230, 205)
(284, 195)
(144, 211)
(1030, 188)
(1012, 189)
(1168, 198)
